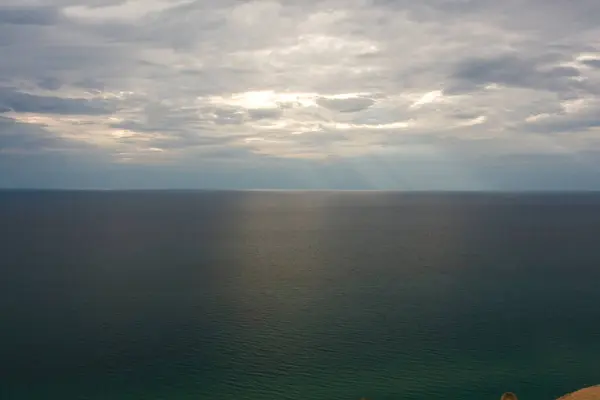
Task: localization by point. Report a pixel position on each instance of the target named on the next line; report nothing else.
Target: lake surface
(291, 295)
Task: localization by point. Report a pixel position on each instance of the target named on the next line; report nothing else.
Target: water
(274, 295)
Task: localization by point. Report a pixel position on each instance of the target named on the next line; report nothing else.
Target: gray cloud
(179, 140)
(512, 70)
(20, 137)
(49, 83)
(229, 116)
(594, 63)
(268, 113)
(29, 15)
(565, 123)
(346, 105)
(550, 17)
(46, 45)
(20, 102)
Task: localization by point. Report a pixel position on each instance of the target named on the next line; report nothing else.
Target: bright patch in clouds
(475, 121)
(427, 98)
(266, 99)
(393, 125)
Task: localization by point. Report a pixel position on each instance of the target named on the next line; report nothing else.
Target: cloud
(49, 83)
(428, 98)
(170, 80)
(594, 62)
(584, 119)
(21, 102)
(16, 137)
(258, 114)
(350, 105)
(28, 15)
(515, 71)
(230, 116)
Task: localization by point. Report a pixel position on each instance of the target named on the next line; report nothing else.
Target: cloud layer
(178, 83)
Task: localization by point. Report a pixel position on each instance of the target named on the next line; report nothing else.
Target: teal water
(274, 295)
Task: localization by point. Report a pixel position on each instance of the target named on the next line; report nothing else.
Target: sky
(311, 94)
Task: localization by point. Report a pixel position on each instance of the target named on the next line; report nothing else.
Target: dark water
(257, 295)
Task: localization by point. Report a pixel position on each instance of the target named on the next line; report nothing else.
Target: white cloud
(428, 98)
(475, 121)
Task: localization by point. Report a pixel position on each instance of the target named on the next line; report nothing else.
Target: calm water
(258, 295)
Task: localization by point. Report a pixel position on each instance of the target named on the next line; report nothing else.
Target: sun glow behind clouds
(267, 99)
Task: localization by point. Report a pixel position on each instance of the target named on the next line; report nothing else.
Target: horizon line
(432, 191)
